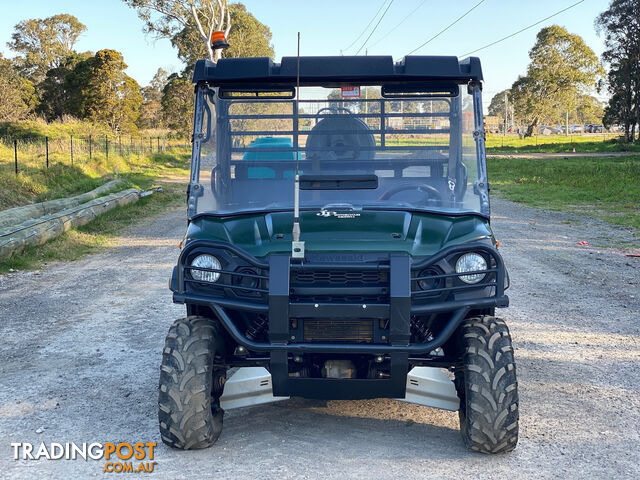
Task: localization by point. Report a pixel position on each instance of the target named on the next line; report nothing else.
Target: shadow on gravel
(359, 429)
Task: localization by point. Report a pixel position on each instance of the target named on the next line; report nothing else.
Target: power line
(374, 28)
(367, 27)
(386, 35)
(447, 27)
(525, 28)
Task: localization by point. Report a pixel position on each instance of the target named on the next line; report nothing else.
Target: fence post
(46, 149)
(158, 144)
(71, 150)
(15, 154)
(106, 146)
(90, 152)
(120, 144)
(150, 145)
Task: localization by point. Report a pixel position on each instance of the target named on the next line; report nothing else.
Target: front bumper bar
(398, 311)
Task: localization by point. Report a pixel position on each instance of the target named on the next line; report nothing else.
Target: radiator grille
(339, 298)
(338, 330)
(338, 277)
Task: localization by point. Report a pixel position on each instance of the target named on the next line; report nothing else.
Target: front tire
(189, 411)
(487, 386)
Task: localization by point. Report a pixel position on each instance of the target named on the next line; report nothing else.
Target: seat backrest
(340, 137)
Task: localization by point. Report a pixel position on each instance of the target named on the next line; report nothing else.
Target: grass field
(60, 180)
(540, 143)
(605, 188)
(90, 169)
(36, 183)
(559, 144)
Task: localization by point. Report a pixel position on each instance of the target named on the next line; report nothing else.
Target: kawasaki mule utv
(339, 246)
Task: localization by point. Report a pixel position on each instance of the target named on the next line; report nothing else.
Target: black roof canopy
(331, 71)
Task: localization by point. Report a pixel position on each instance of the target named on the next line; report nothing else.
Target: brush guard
(401, 303)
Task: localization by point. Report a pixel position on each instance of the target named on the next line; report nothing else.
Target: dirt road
(81, 347)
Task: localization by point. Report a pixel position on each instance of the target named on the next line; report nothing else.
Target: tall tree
(43, 44)
(497, 105)
(248, 37)
(177, 103)
(621, 26)
(562, 67)
(102, 92)
(167, 17)
(151, 110)
(55, 92)
(589, 110)
(16, 93)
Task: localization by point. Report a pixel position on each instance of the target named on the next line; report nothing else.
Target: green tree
(177, 103)
(17, 95)
(497, 105)
(589, 110)
(248, 37)
(55, 92)
(562, 67)
(43, 44)
(102, 92)
(151, 110)
(621, 26)
(167, 17)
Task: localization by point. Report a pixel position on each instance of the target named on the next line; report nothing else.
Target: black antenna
(297, 109)
(297, 247)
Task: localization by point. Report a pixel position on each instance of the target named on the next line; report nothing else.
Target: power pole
(506, 113)
(566, 123)
(366, 104)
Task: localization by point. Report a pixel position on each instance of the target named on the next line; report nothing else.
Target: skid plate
(432, 387)
(248, 386)
(425, 386)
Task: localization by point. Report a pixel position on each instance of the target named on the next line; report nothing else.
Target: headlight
(471, 262)
(205, 261)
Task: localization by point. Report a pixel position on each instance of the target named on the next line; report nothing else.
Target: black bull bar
(398, 310)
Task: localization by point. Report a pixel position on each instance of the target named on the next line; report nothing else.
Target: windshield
(406, 152)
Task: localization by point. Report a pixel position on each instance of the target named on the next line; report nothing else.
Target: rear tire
(487, 386)
(189, 410)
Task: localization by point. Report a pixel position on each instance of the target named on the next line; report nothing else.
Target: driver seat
(340, 137)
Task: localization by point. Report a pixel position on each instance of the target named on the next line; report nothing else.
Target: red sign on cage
(350, 92)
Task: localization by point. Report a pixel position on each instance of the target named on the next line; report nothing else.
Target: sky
(329, 27)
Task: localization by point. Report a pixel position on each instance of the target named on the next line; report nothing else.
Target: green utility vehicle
(339, 246)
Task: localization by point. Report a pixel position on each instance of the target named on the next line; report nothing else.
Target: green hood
(419, 234)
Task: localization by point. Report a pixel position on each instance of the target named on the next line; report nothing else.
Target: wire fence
(42, 152)
(542, 141)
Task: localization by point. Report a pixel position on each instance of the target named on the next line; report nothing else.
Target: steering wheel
(335, 111)
(430, 191)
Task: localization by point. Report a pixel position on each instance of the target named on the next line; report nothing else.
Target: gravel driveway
(81, 347)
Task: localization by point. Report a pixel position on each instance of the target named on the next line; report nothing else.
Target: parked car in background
(593, 128)
(576, 128)
(550, 130)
